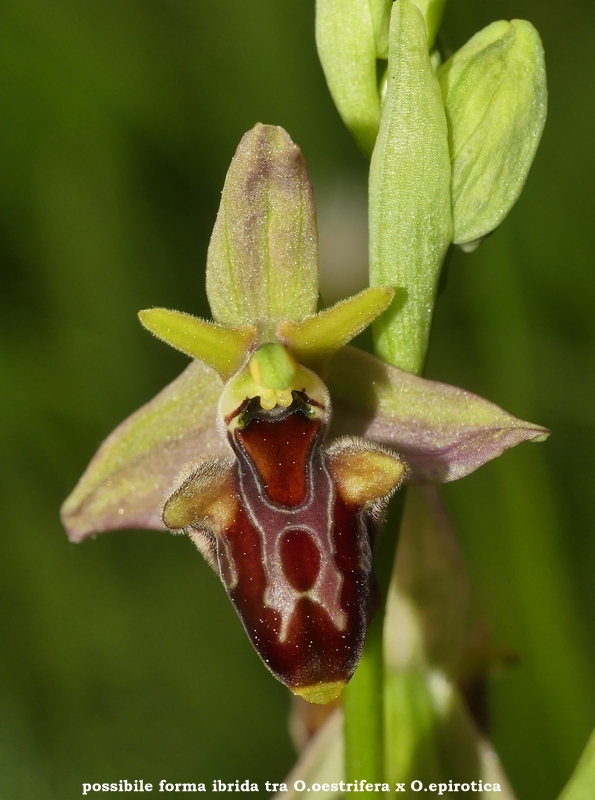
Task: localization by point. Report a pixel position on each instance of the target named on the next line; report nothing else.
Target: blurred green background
(121, 657)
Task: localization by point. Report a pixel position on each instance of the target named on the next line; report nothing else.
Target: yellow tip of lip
(320, 692)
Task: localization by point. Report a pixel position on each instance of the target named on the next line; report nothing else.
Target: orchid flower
(279, 446)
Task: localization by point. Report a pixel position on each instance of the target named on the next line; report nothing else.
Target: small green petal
(262, 264)
(410, 214)
(129, 478)
(346, 42)
(223, 349)
(316, 339)
(495, 95)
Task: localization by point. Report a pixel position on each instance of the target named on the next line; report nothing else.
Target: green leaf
(346, 32)
(262, 264)
(442, 432)
(495, 95)
(316, 339)
(410, 216)
(128, 479)
(223, 349)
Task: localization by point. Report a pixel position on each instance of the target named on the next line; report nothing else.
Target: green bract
(380, 13)
(410, 214)
(427, 614)
(495, 96)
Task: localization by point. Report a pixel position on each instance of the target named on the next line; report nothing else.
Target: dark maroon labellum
(287, 525)
(297, 561)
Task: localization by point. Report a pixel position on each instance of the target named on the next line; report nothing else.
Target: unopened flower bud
(410, 215)
(495, 96)
(350, 36)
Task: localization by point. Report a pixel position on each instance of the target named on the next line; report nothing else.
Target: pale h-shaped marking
(273, 520)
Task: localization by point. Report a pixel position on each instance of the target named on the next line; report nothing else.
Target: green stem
(363, 713)
(363, 696)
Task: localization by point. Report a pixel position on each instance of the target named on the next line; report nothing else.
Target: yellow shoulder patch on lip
(205, 496)
(363, 471)
(320, 692)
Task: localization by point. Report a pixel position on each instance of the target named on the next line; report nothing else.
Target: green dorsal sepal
(262, 262)
(316, 339)
(224, 349)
